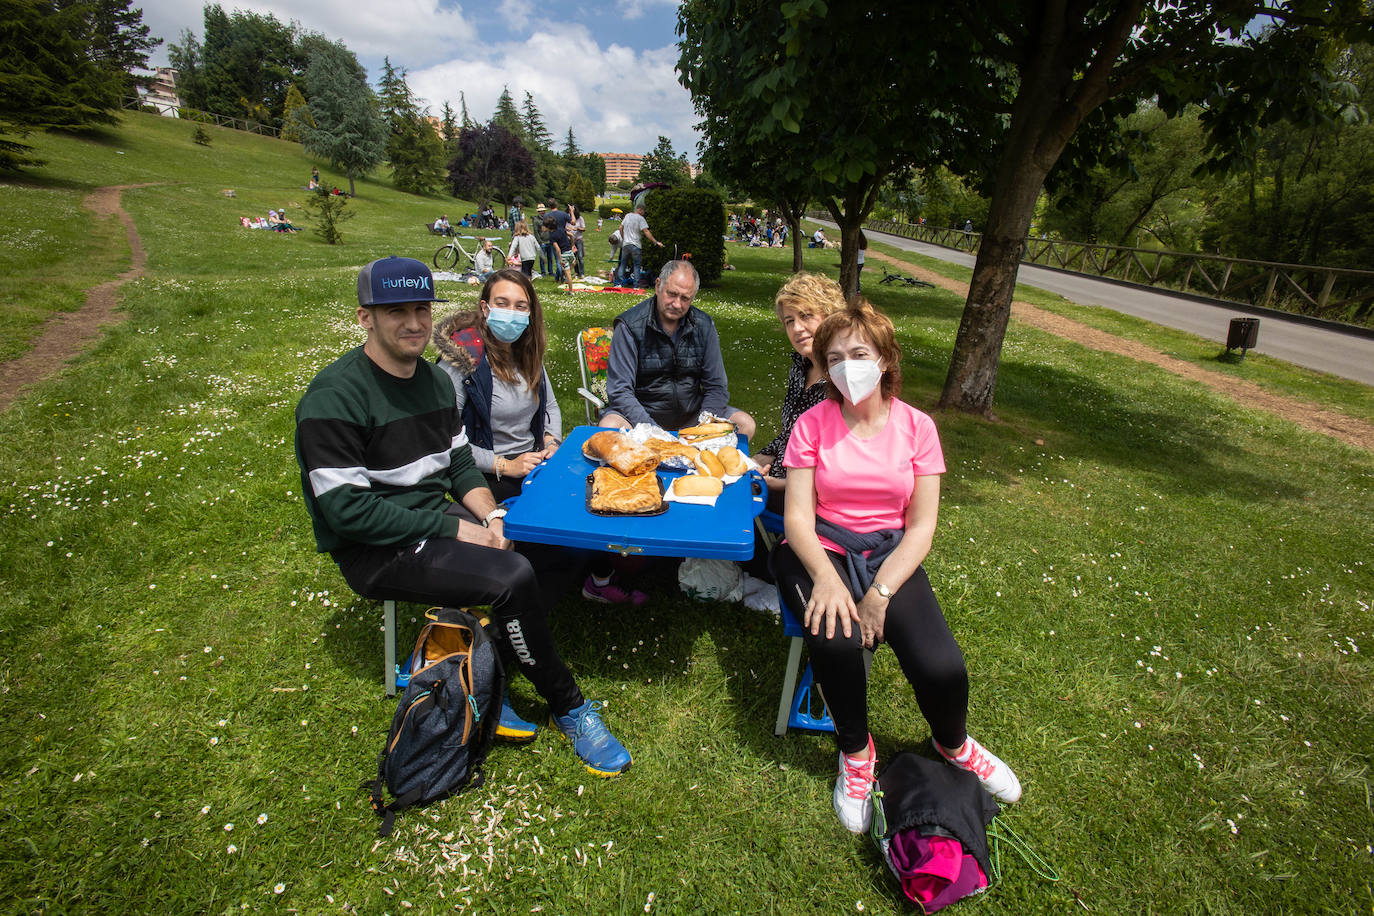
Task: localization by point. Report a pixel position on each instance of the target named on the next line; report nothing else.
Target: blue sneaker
(593, 742)
(512, 727)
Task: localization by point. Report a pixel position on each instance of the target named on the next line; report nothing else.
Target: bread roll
(709, 464)
(734, 462)
(622, 453)
(697, 485)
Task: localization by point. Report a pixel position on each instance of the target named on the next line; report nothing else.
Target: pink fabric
(935, 870)
(864, 485)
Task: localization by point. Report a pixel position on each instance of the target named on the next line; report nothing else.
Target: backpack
(932, 823)
(446, 718)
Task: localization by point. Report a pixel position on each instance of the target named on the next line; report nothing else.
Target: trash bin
(1242, 335)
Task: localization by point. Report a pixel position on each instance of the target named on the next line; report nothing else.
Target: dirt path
(1350, 430)
(67, 334)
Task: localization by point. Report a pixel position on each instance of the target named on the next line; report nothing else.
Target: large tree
(1059, 73)
(244, 65)
(1001, 91)
(812, 88)
(662, 164)
(48, 78)
(491, 161)
(413, 146)
(117, 40)
(348, 129)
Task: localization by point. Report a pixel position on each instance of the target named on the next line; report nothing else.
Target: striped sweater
(380, 454)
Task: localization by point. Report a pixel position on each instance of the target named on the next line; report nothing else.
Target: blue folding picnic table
(552, 509)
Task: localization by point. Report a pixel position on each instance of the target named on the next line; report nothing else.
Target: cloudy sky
(602, 67)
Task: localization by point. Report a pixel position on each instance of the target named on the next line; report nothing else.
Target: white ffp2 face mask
(856, 378)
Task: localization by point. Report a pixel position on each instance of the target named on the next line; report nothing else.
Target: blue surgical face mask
(507, 325)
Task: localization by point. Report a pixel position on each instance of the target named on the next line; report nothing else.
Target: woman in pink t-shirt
(863, 494)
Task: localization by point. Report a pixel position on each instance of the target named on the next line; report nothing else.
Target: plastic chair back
(593, 353)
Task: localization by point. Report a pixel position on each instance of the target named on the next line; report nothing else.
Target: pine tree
(348, 129)
(448, 124)
(47, 78)
(536, 132)
(506, 116)
(118, 40)
(294, 114)
(393, 93)
(570, 151)
(464, 122)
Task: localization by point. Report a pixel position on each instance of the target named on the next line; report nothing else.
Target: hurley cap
(387, 281)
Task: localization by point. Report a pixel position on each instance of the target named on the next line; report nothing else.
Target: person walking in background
(577, 226)
(523, 248)
(634, 228)
(863, 250)
(541, 235)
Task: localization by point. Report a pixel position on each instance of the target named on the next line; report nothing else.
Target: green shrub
(604, 211)
(328, 213)
(688, 221)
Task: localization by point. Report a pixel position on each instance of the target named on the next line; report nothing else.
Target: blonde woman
(524, 249)
(802, 304)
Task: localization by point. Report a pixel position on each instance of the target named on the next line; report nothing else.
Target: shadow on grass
(1171, 436)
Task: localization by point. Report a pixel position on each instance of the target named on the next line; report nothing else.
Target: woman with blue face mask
(495, 356)
(861, 503)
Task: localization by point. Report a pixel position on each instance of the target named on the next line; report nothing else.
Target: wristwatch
(882, 590)
(493, 515)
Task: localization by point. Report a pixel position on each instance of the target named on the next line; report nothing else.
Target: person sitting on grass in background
(513, 424)
(482, 261)
(665, 365)
(863, 495)
(395, 498)
(442, 227)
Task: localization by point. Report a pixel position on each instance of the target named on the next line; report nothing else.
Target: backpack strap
(387, 812)
(999, 832)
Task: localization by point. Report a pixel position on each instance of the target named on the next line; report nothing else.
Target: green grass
(1160, 607)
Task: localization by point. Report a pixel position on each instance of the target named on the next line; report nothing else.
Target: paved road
(1347, 355)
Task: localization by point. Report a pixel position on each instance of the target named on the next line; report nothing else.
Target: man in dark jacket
(665, 365)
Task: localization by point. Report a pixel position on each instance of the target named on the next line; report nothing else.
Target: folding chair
(593, 351)
(799, 706)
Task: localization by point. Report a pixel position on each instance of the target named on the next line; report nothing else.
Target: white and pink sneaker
(995, 775)
(852, 788)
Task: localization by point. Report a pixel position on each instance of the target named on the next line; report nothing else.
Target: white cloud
(410, 30)
(615, 99)
(634, 9)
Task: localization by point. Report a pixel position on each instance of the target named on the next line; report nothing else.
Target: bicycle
(889, 277)
(452, 254)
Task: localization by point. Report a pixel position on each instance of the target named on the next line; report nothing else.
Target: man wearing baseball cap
(382, 449)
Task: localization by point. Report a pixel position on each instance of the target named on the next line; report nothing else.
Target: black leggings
(450, 573)
(916, 630)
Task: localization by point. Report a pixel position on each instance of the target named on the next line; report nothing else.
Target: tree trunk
(352, 191)
(858, 202)
(794, 232)
(972, 379)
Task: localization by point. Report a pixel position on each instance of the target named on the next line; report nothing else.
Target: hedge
(688, 221)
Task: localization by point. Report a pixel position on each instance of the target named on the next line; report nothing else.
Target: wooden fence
(1333, 293)
(136, 103)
